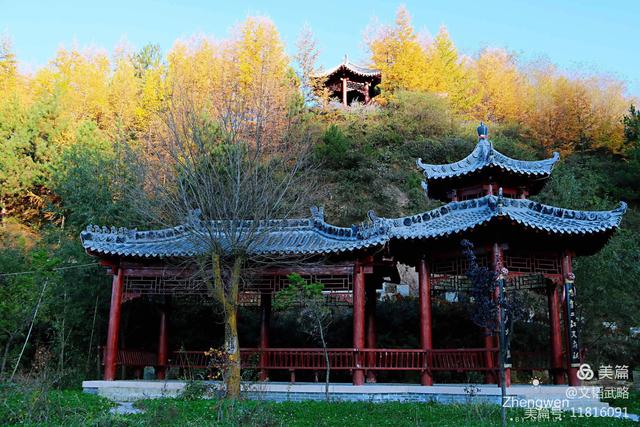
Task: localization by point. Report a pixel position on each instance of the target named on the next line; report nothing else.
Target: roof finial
(346, 59)
(483, 131)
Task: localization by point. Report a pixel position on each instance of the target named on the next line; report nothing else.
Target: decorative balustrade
(345, 359)
(135, 358)
(348, 358)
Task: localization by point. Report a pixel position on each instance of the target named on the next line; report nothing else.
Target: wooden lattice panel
(342, 282)
(177, 286)
(457, 266)
(534, 263)
(454, 283)
(144, 285)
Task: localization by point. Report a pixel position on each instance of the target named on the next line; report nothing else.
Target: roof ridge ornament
(317, 213)
(194, 217)
(483, 132)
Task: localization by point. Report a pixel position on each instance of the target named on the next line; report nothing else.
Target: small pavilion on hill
(486, 195)
(350, 82)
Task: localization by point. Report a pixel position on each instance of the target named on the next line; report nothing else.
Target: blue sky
(584, 36)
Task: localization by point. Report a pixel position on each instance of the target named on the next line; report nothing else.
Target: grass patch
(352, 414)
(52, 407)
(632, 403)
(74, 408)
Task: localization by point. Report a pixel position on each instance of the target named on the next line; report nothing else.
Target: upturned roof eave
(322, 238)
(485, 156)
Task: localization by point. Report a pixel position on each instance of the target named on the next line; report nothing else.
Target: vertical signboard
(572, 324)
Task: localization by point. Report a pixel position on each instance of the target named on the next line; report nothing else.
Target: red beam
(327, 269)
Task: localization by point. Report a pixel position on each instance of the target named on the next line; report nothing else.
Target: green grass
(202, 412)
(74, 408)
(52, 407)
(632, 403)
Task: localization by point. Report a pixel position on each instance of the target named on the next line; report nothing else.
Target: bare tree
(306, 57)
(494, 314)
(229, 175)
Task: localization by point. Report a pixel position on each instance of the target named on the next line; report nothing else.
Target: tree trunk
(232, 348)
(228, 297)
(5, 354)
(26, 340)
(326, 360)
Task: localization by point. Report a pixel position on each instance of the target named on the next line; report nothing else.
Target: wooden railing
(134, 358)
(346, 359)
(466, 359)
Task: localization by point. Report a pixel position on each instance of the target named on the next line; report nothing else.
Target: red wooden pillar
(489, 339)
(572, 362)
(498, 263)
(370, 338)
(111, 356)
(163, 346)
(358, 322)
(426, 335)
(344, 90)
(555, 335)
(265, 325)
(489, 343)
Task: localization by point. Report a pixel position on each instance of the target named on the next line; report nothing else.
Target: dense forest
(70, 130)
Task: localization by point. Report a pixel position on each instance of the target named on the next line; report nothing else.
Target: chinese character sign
(572, 324)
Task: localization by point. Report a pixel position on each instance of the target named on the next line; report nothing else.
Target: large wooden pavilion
(486, 195)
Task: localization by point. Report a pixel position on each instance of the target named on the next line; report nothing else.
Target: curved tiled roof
(484, 156)
(313, 236)
(354, 68)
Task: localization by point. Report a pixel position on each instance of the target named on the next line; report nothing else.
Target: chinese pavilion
(350, 82)
(486, 195)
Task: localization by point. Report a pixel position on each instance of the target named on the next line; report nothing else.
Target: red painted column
(370, 338)
(426, 333)
(163, 346)
(344, 91)
(498, 263)
(555, 335)
(489, 338)
(489, 377)
(358, 321)
(111, 356)
(567, 270)
(265, 325)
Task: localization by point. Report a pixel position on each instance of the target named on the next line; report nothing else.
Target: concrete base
(128, 391)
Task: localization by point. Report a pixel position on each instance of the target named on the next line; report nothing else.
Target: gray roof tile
(354, 68)
(314, 236)
(484, 156)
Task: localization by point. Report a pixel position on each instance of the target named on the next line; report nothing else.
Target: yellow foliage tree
(397, 53)
(575, 113)
(503, 89)
(448, 75)
(124, 91)
(81, 83)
